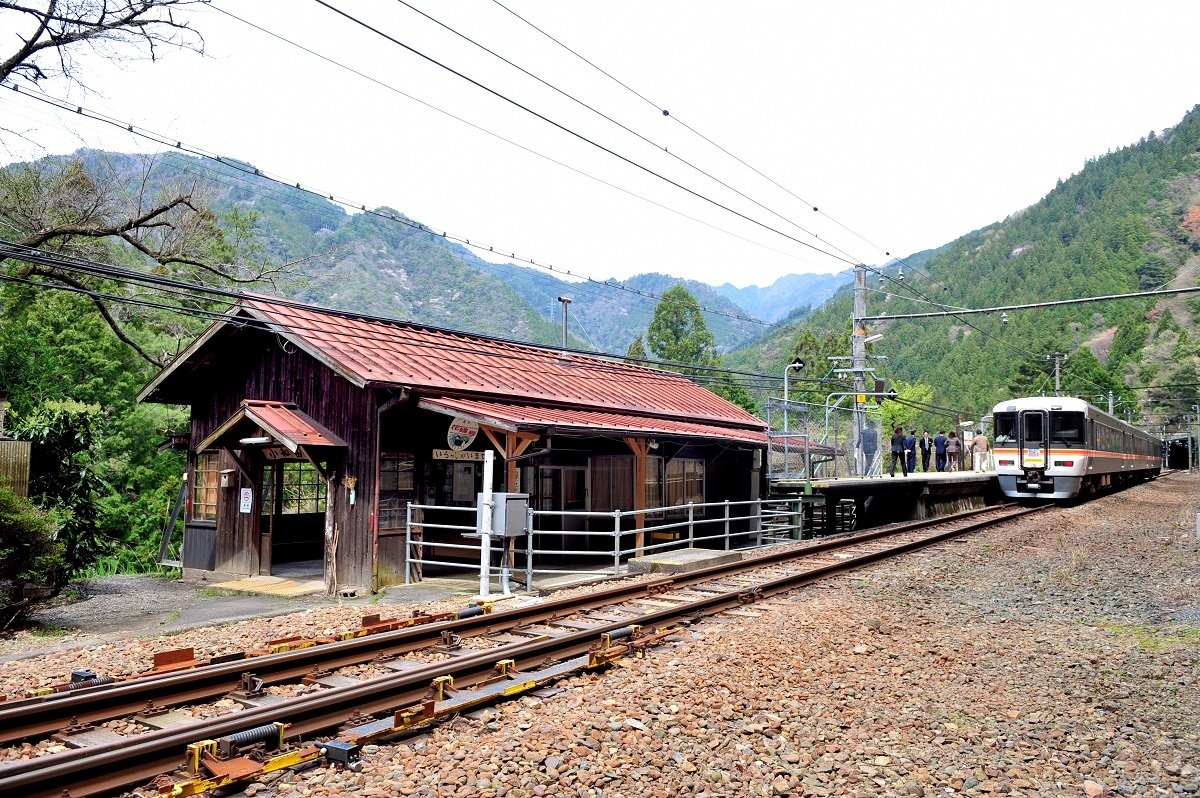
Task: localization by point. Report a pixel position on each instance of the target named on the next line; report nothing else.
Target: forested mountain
(1128, 221)
(373, 263)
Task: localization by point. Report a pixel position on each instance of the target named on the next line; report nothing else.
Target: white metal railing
(723, 525)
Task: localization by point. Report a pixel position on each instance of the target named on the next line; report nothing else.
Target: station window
(685, 482)
(612, 483)
(205, 488)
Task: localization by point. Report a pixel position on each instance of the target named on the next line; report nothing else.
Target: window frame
(206, 486)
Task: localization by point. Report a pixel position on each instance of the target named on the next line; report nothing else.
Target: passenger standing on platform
(939, 451)
(910, 451)
(953, 447)
(898, 452)
(926, 446)
(870, 445)
(979, 448)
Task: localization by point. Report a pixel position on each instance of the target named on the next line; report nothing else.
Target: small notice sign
(452, 454)
(247, 503)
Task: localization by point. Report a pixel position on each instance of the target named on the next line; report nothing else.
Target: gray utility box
(508, 514)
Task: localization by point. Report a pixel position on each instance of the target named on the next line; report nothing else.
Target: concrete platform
(681, 561)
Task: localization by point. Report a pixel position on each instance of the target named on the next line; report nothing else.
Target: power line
(534, 353)
(353, 204)
(559, 126)
(675, 118)
(621, 125)
(1031, 305)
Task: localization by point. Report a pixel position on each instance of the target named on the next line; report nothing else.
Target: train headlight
(1064, 463)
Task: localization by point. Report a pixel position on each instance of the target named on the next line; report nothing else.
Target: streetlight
(797, 363)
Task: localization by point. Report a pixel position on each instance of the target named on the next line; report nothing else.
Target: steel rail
(103, 768)
(40, 716)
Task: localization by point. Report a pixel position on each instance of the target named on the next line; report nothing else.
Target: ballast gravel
(1055, 656)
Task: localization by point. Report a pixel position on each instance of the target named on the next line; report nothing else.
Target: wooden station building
(312, 430)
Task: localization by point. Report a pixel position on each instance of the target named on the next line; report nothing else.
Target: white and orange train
(1053, 447)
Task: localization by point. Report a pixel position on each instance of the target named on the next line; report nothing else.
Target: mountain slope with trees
(1128, 221)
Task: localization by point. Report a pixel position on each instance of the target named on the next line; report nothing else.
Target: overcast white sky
(907, 124)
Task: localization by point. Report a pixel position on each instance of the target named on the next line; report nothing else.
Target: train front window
(1034, 427)
(1066, 428)
(1005, 425)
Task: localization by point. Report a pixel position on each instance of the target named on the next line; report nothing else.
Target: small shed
(313, 431)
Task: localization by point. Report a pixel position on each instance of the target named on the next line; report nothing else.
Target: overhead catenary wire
(621, 125)
(677, 120)
(581, 137)
(357, 206)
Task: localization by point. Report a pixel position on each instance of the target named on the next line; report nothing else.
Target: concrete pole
(565, 300)
(858, 358)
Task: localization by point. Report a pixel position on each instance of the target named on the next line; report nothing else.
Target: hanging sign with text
(462, 433)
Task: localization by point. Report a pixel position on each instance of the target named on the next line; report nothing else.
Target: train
(1053, 447)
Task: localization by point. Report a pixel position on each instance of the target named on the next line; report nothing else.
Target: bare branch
(126, 28)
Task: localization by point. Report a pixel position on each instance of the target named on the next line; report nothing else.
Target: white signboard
(450, 454)
(247, 504)
(462, 433)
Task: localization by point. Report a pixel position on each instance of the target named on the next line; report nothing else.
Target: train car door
(1033, 440)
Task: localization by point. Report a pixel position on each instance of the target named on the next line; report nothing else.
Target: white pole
(485, 526)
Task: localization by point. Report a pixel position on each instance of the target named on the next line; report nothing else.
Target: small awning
(519, 417)
(281, 421)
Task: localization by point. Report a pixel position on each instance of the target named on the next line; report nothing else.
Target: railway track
(416, 670)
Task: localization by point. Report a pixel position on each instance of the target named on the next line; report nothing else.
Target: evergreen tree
(677, 332)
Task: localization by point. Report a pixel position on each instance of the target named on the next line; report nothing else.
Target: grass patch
(44, 630)
(1149, 639)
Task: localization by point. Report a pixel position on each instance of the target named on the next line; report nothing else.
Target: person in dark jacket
(939, 451)
(910, 450)
(898, 453)
(926, 446)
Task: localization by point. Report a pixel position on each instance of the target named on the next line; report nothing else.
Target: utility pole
(858, 356)
(1111, 406)
(1057, 372)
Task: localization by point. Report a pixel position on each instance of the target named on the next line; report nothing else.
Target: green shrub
(30, 556)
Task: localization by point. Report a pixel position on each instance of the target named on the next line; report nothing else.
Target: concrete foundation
(681, 561)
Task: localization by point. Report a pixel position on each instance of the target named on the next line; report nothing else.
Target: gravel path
(1055, 657)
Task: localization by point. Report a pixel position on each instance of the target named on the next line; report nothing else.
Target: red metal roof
(518, 416)
(280, 420)
(371, 350)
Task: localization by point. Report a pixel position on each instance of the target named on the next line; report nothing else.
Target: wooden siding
(261, 366)
(14, 466)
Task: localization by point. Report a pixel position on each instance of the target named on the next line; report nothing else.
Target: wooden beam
(516, 445)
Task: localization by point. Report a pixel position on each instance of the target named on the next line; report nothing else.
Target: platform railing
(612, 538)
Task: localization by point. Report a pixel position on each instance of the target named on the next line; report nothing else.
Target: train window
(1066, 427)
(1005, 425)
(1034, 426)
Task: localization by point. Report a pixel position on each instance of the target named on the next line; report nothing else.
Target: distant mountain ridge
(782, 297)
(384, 263)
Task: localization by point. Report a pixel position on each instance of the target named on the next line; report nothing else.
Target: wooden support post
(640, 447)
